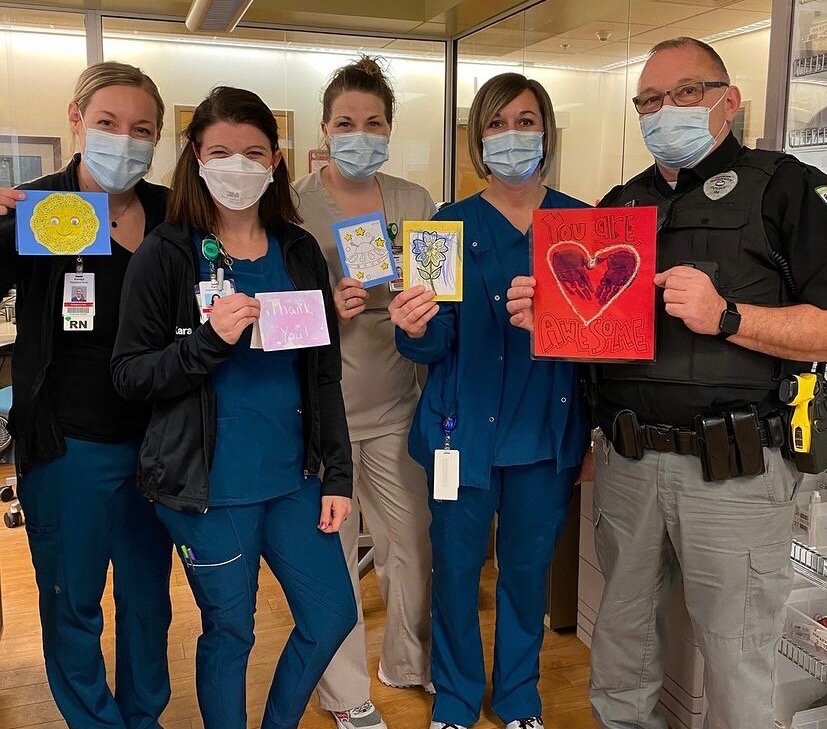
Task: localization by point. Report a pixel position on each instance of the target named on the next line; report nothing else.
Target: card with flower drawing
(432, 257)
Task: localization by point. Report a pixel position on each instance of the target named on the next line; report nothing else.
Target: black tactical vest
(715, 223)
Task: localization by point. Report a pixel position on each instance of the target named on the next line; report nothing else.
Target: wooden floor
(24, 694)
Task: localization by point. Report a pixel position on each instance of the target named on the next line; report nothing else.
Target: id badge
(397, 284)
(78, 310)
(208, 292)
(446, 475)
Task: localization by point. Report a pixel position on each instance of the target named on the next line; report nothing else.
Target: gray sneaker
(446, 725)
(365, 716)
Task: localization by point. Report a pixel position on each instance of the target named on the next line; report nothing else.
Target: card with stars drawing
(365, 249)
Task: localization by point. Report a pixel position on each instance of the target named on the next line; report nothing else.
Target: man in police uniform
(689, 477)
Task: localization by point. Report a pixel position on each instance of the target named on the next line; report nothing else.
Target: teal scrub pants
(532, 503)
(83, 512)
(225, 547)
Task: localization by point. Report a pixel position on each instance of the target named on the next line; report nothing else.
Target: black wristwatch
(730, 321)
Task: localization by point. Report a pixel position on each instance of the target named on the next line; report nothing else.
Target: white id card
(446, 475)
(78, 310)
(209, 292)
(255, 337)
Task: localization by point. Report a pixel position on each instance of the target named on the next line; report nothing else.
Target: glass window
(589, 57)
(41, 55)
(289, 70)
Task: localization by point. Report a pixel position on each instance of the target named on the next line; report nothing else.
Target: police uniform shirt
(794, 211)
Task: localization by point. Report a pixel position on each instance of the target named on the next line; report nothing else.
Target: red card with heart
(595, 296)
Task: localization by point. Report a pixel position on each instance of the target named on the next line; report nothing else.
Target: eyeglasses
(683, 95)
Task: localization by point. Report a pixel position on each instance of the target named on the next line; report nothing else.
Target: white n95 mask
(236, 182)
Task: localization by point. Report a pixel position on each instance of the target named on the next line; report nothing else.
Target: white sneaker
(366, 716)
(428, 688)
(446, 725)
(533, 722)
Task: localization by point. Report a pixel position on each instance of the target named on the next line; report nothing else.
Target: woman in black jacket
(77, 439)
(237, 434)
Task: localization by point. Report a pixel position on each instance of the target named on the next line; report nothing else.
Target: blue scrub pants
(83, 511)
(228, 543)
(532, 503)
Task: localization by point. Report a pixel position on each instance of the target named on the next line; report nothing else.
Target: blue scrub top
(510, 409)
(259, 447)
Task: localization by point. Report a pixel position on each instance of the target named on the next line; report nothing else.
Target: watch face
(730, 322)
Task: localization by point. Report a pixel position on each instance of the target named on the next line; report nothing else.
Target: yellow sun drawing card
(63, 224)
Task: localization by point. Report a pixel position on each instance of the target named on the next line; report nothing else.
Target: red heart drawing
(592, 283)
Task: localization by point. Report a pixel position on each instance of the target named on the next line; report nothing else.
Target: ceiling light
(216, 16)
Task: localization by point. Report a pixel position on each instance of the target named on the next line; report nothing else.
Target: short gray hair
(687, 42)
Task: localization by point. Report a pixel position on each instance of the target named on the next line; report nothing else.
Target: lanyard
(449, 425)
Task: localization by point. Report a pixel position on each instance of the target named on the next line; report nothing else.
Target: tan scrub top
(379, 385)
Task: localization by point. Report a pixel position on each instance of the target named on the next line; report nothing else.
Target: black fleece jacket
(164, 356)
(39, 282)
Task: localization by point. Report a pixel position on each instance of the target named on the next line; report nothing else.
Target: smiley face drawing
(64, 223)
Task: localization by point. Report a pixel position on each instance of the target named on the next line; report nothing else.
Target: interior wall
(293, 80)
(37, 74)
(600, 142)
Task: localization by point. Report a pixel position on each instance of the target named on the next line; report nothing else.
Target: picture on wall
(284, 120)
(24, 158)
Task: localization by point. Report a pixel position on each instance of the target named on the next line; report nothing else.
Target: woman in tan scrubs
(380, 391)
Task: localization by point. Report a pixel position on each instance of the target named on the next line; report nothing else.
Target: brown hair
(493, 95)
(111, 73)
(363, 75)
(705, 48)
(190, 203)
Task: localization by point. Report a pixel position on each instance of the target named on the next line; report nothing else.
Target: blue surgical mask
(513, 156)
(678, 136)
(117, 162)
(358, 155)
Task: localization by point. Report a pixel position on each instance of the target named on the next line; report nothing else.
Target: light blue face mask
(513, 156)
(116, 161)
(678, 136)
(358, 155)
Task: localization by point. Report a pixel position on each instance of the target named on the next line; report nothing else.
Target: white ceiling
(568, 32)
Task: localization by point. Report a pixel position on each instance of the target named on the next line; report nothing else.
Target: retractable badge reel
(217, 286)
(446, 465)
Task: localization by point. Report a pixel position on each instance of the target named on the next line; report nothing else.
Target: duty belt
(728, 444)
(684, 441)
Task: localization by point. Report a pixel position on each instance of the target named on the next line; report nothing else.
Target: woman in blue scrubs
(519, 449)
(77, 439)
(238, 435)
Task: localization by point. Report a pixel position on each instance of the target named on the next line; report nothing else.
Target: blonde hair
(493, 95)
(111, 73)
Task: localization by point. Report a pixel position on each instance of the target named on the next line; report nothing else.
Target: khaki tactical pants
(730, 541)
(392, 491)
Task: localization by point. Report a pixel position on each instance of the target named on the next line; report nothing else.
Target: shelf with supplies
(809, 563)
(804, 657)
